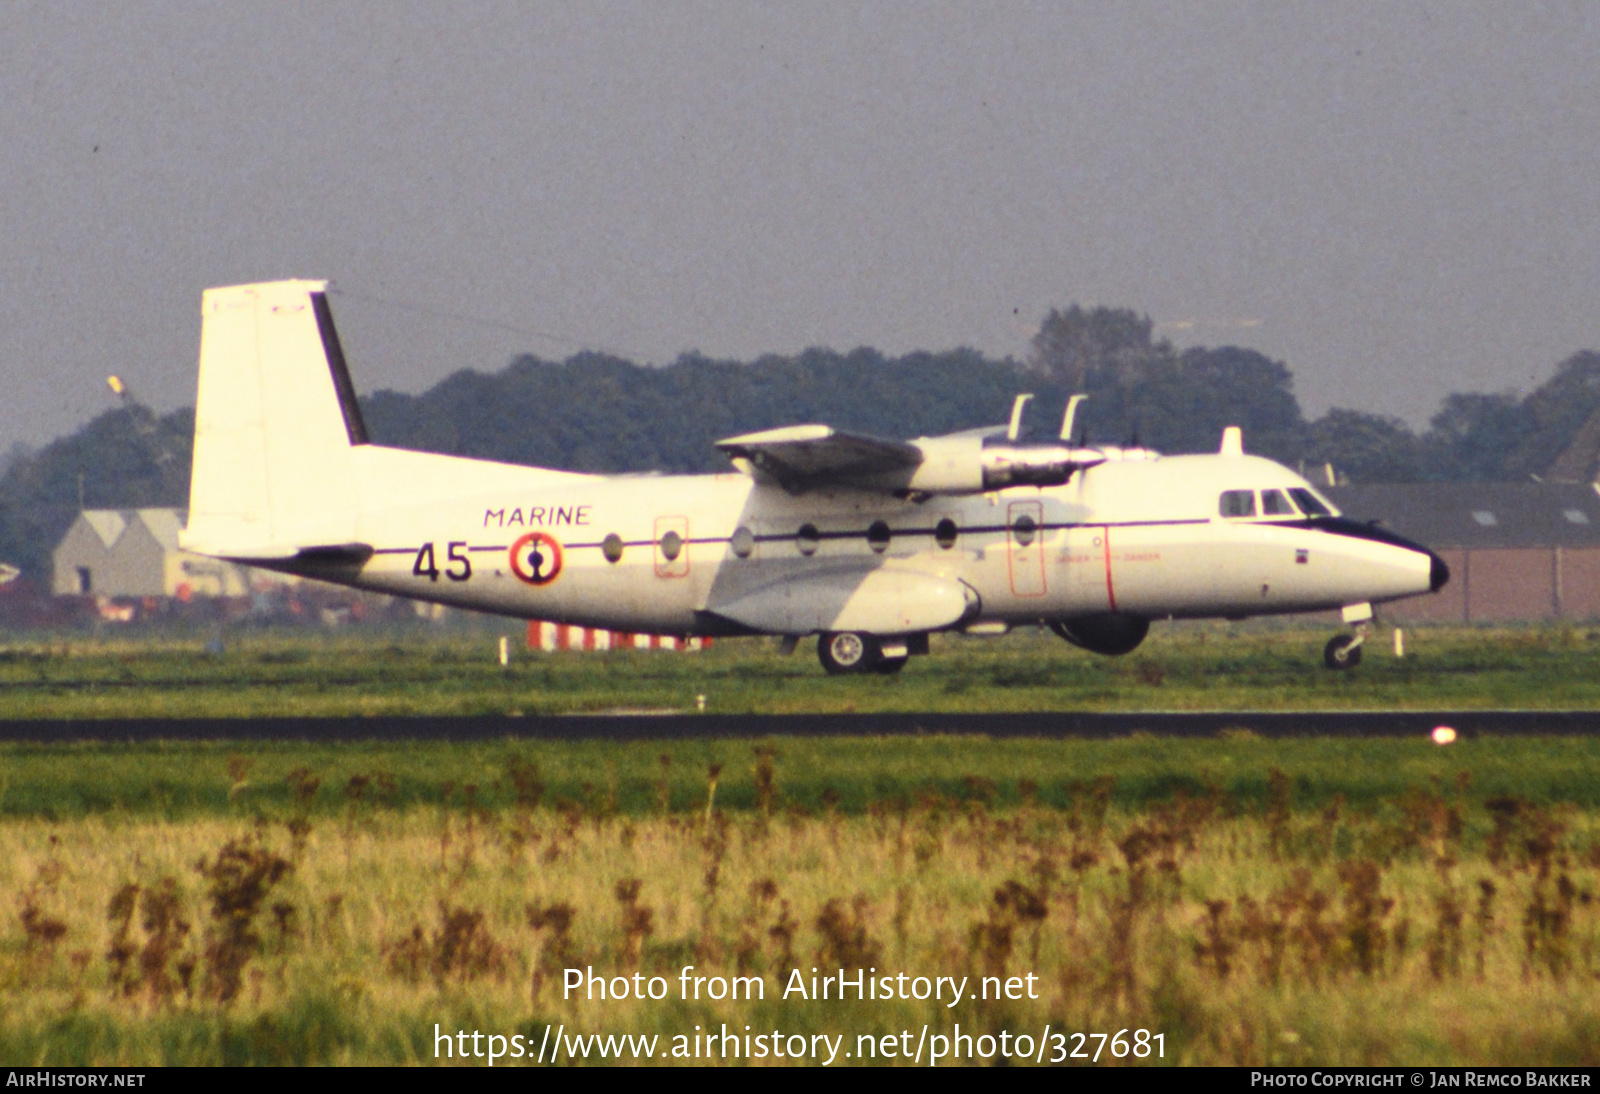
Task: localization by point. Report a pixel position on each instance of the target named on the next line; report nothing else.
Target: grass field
(1245, 900)
(1185, 667)
(1251, 901)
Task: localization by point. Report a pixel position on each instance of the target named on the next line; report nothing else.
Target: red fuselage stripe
(1111, 593)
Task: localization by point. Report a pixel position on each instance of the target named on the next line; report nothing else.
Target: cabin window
(1309, 503)
(1274, 504)
(807, 538)
(611, 547)
(743, 542)
(1238, 503)
(671, 546)
(1023, 530)
(878, 537)
(945, 533)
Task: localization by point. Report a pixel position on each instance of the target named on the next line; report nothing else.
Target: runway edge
(1043, 724)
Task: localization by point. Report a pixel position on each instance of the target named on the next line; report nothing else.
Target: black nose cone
(1438, 573)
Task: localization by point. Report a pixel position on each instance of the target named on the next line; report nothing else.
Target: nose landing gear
(1343, 651)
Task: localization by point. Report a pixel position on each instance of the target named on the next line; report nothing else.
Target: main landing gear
(1343, 651)
(845, 652)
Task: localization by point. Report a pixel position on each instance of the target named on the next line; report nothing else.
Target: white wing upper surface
(801, 456)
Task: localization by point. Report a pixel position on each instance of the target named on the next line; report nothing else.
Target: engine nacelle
(1034, 464)
(1110, 633)
(971, 464)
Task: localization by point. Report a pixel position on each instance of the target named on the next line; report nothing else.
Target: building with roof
(134, 553)
(1517, 552)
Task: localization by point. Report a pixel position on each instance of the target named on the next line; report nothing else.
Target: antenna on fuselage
(1072, 412)
(1015, 428)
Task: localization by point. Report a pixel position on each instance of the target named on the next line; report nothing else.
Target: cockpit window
(1238, 503)
(1274, 504)
(1309, 503)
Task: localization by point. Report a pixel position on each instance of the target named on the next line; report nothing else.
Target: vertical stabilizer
(275, 421)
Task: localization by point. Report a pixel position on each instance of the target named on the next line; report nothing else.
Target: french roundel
(536, 558)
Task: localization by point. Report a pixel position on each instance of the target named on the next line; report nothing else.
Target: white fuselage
(815, 531)
(1139, 536)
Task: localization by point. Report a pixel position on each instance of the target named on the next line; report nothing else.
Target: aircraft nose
(1438, 573)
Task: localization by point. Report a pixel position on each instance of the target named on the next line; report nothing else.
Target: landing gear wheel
(1342, 652)
(888, 666)
(843, 652)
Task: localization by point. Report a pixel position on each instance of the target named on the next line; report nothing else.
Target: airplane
(871, 545)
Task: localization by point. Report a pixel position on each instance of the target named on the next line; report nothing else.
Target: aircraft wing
(800, 456)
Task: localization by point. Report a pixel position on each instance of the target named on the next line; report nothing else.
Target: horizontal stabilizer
(333, 561)
(343, 553)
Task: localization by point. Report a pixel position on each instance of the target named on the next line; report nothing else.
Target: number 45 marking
(460, 566)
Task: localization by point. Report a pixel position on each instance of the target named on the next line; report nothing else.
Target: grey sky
(1398, 200)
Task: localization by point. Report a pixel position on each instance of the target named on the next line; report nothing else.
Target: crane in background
(153, 436)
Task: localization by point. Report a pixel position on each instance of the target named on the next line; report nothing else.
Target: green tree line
(593, 412)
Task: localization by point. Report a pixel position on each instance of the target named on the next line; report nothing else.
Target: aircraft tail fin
(276, 421)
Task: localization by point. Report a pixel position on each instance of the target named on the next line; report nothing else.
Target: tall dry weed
(1366, 934)
(303, 786)
(154, 958)
(637, 922)
(1445, 943)
(552, 923)
(460, 949)
(1013, 907)
(714, 841)
(766, 784)
(239, 881)
(842, 937)
(1279, 811)
(749, 947)
(42, 930)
